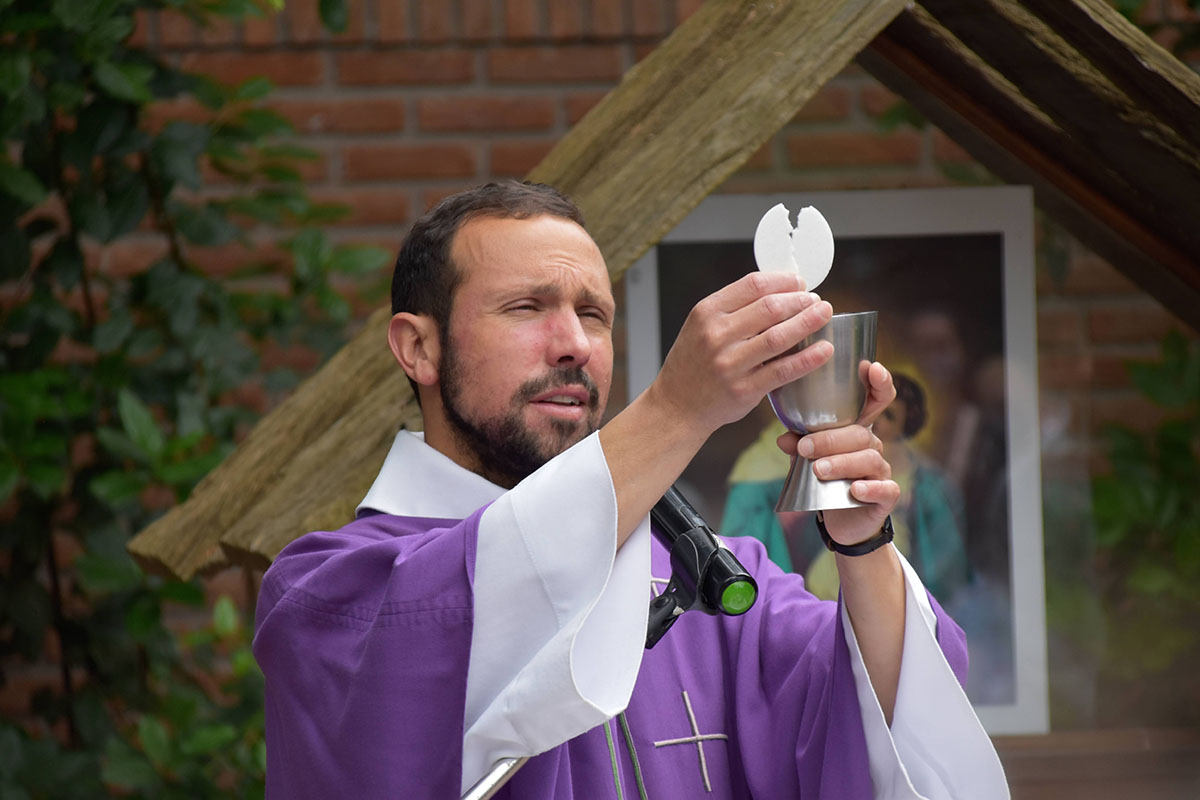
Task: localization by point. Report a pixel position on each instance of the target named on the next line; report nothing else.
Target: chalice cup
(831, 396)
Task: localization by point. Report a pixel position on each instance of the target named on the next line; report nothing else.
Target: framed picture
(951, 274)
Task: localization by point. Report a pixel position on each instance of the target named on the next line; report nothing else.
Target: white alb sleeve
(936, 748)
(560, 613)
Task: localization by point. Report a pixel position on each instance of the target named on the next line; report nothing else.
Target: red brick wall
(422, 97)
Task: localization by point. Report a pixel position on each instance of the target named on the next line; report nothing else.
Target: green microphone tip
(738, 597)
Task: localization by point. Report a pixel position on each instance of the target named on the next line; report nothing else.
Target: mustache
(561, 376)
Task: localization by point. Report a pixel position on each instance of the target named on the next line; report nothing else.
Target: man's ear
(414, 342)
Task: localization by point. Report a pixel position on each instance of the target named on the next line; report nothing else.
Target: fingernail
(805, 448)
(821, 468)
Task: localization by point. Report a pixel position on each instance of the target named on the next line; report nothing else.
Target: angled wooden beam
(1114, 132)
(679, 123)
(984, 108)
(1150, 75)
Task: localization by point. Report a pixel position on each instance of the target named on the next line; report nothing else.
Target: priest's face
(526, 368)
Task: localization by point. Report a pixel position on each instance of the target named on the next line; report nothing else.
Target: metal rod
(491, 783)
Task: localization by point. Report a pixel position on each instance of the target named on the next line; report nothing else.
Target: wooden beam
(1111, 130)
(994, 148)
(679, 122)
(696, 108)
(1146, 72)
(1018, 141)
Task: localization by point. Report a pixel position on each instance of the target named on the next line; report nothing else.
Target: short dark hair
(424, 280)
(909, 392)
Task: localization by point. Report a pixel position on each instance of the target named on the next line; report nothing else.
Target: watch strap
(885, 535)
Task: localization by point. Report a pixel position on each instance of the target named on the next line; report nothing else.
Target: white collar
(419, 481)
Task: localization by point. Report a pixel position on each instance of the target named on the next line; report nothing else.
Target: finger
(787, 368)
(882, 493)
(782, 337)
(750, 287)
(861, 464)
(787, 442)
(849, 525)
(882, 393)
(768, 312)
(838, 440)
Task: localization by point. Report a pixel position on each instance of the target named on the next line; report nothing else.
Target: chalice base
(804, 491)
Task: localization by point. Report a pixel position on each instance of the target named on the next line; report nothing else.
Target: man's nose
(568, 342)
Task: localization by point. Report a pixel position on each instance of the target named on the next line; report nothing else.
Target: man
(491, 597)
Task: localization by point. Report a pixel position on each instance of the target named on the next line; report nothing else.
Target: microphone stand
(705, 576)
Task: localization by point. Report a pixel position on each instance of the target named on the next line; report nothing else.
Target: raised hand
(735, 347)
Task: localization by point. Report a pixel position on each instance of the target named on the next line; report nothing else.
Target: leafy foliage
(1147, 515)
(115, 391)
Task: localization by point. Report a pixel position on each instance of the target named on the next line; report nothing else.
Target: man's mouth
(561, 400)
(576, 396)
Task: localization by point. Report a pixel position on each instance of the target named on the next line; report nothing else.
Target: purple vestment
(364, 635)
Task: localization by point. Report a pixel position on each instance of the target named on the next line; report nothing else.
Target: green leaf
(117, 488)
(65, 262)
(334, 15)
(46, 480)
(208, 738)
(128, 201)
(203, 224)
(899, 114)
(357, 260)
(15, 70)
(127, 768)
(14, 251)
(225, 617)
(143, 619)
(103, 123)
(130, 82)
(91, 213)
(140, 425)
(190, 413)
(333, 304)
(101, 574)
(188, 471)
(243, 662)
(253, 89)
(261, 123)
(28, 21)
(21, 184)
(107, 33)
(177, 150)
(113, 332)
(182, 592)
(28, 608)
(10, 477)
(10, 752)
(154, 740)
(280, 173)
(311, 251)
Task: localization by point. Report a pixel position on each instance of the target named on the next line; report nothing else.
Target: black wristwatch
(885, 535)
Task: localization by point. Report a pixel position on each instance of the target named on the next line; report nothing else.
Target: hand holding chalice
(833, 395)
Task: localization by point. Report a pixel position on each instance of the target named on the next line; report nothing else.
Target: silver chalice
(831, 396)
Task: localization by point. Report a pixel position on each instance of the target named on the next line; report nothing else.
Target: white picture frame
(955, 225)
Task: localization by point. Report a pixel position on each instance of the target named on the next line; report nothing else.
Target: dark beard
(507, 451)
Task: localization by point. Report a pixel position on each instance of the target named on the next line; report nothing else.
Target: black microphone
(705, 575)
